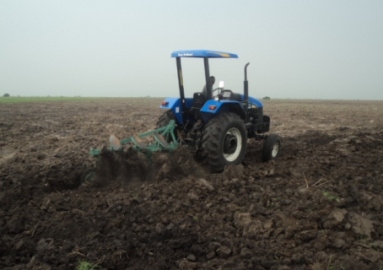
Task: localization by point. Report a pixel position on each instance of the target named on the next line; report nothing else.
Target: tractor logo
(185, 54)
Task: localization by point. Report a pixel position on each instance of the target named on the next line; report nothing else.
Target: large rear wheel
(224, 141)
(165, 118)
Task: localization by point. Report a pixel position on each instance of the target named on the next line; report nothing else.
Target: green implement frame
(164, 139)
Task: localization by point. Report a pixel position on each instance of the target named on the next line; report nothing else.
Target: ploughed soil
(317, 206)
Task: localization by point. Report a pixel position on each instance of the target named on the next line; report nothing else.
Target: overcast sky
(323, 49)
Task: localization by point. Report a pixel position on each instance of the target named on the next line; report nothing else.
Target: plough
(160, 139)
(163, 139)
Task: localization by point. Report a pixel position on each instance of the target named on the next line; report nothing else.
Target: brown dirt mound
(133, 167)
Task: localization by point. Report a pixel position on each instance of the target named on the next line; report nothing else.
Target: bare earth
(317, 206)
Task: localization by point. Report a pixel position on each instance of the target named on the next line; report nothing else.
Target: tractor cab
(186, 109)
(205, 55)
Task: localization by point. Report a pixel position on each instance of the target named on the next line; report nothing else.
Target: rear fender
(174, 105)
(255, 102)
(214, 107)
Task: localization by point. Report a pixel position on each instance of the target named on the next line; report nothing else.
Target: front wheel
(224, 141)
(271, 147)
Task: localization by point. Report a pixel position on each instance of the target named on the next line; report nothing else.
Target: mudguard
(214, 107)
(174, 104)
(255, 102)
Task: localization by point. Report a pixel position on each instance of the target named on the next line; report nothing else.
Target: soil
(317, 206)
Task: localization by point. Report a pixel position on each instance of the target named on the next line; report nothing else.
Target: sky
(297, 49)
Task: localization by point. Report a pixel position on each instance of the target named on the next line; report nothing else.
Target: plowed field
(319, 205)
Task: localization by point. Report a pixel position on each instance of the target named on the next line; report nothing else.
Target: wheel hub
(230, 144)
(275, 150)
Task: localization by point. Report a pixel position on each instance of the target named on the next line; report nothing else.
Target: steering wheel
(219, 89)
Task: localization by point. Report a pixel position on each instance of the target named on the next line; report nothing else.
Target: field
(319, 205)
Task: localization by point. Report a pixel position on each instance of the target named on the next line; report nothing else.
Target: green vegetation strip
(5, 100)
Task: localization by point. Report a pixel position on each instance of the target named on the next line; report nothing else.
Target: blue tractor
(216, 125)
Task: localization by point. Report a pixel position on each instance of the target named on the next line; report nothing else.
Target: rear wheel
(271, 147)
(165, 118)
(224, 141)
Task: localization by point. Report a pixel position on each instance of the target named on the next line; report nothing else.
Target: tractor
(215, 126)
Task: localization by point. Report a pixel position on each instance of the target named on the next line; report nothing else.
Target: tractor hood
(203, 54)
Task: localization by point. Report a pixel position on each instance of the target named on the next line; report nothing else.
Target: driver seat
(199, 100)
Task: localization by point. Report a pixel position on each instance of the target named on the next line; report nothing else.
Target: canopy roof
(203, 54)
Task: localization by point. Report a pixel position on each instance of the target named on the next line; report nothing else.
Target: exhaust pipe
(246, 89)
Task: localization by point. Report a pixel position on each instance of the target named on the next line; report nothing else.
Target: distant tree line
(6, 95)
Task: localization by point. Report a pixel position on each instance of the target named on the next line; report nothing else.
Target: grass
(5, 100)
(11, 100)
(84, 265)
(330, 196)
